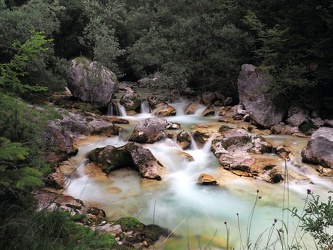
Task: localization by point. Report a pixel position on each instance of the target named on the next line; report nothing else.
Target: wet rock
(111, 158)
(320, 147)
(277, 174)
(257, 103)
(206, 179)
(193, 106)
(183, 139)
(234, 149)
(91, 82)
(283, 152)
(131, 101)
(144, 161)
(165, 111)
(149, 130)
(199, 139)
(209, 111)
(155, 103)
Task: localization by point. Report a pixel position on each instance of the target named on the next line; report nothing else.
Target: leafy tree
(12, 71)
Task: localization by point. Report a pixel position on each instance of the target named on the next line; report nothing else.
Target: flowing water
(201, 215)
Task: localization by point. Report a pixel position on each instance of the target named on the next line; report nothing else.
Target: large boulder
(111, 158)
(149, 130)
(320, 147)
(132, 155)
(260, 106)
(235, 149)
(91, 82)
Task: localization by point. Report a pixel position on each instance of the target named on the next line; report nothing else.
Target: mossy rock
(224, 128)
(129, 224)
(154, 232)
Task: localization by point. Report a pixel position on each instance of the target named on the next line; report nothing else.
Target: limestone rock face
(258, 104)
(149, 130)
(320, 147)
(91, 82)
(144, 160)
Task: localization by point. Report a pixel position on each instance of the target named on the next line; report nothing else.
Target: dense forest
(198, 44)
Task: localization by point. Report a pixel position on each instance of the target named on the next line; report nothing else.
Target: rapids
(212, 217)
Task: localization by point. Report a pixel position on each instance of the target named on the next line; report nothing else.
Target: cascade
(122, 110)
(144, 107)
(178, 202)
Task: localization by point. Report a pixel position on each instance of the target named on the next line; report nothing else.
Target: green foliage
(99, 33)
(13, 70)
(317, 219)
(50, 230)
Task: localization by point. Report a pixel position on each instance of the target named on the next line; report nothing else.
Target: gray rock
(149, 130)
(208, 98)
(131, 101)
(251, 83)
(144, 161)
(320, 147)
(91, 82)
(297, 116)
(59, 144)
(183, 139)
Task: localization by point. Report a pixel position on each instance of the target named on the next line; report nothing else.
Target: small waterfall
(144, 107)
(193, 145)
(110, 109)
(122, 110)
